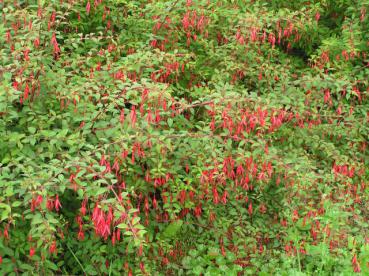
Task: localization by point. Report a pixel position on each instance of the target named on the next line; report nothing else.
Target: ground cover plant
(183, 137)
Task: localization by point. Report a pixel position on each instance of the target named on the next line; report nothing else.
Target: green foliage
(184, 137)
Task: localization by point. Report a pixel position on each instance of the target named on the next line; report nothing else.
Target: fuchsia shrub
(184, 137)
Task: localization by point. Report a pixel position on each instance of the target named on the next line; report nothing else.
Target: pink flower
(317, 16)
(57, 203)
(88, 7)
(250, 209)
(133, 116)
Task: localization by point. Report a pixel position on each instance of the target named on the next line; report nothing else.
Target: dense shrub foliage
(183, 137)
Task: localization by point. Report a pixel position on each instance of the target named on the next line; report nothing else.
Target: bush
(184, 137)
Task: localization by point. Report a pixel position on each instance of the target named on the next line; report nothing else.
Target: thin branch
(75, 257)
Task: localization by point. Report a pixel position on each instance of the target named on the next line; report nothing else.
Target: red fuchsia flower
(36, 42)
(36, 202)
(26, 92)
(107, 168)
(250, 209)
(261, 176)
(8, 36)
(358, 93)
(188, 42)
(50, 204)
(254, 170)
(142, 267)
(215, 195)
(165, 261)
(339, 110)
(157, 116)
(83, 207)
(133, 116)
(39, 11)
(53, 17)
(278, 181)
(224, 197)
(54, 42)
(157, 27)
(102, 222)
(212, 124)
(6, 232)
(187, 168)
(313, 232)
(118, 234)
(198, 210)
(325, 57)
(115, 166)
(254, 34)
(153, 44)
(279, 35)
(261, 249)
(262, 209)
(57, 203)
(88, 7)
(363, 12)
(201, 23)
(113, 239)
(317, 16)
(154, 203)
(32, 252)
(81, 234)
(327, 96)
(295, 215)
(287, 248)
(52, 248)
(146, 205)
(182, 196)
(264, 36)
(240, 170)
(140, 250)
(272, 39)
(102, 161)
(191, 195)
(164, 105)
(284, 223)
(345, 55)
(72, 182)
(356, 264)
(26, 54)
(15, 85)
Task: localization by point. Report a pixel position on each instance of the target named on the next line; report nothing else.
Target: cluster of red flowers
(263, 35)
(51, 203)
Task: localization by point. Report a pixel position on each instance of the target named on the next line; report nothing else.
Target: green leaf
(172, 229)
